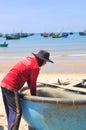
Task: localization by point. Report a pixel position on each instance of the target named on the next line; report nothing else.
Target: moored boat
(64, 34)
(12, 36)
(4, 45)
(47, 113)
(83, 33)
(22, 35)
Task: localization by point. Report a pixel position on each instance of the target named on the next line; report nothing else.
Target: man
(26, 70)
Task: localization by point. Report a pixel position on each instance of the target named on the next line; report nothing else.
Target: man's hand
(27, 92)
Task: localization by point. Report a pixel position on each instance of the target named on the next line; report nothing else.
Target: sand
(43, 77)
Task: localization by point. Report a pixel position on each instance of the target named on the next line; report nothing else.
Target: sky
(37, 16)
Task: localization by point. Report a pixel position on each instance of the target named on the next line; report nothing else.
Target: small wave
(77, 55)
(72, 55)
(9, 57)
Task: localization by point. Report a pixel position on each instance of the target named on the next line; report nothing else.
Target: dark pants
(12, 107)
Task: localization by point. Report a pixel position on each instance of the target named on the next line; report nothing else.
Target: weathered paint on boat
(44, 113)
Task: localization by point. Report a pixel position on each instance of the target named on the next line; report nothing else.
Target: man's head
(43, 55)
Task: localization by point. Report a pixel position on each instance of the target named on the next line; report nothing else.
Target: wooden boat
(56, 35)
(22, 35)
(83, 33)
(48, 113)
(1, 35)
(12, 36)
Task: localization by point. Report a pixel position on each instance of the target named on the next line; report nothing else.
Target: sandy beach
(43, 77)
(64, 69)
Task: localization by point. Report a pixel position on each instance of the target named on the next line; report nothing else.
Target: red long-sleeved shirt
(26, 70)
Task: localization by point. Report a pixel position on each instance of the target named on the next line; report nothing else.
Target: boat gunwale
(51, 100)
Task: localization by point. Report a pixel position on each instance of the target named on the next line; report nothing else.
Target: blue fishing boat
(83, 33)
(47, 113)
(64, 34)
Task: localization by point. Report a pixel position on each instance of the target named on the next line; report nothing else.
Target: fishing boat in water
(83, 33)
(45, 112)
(4, 45)
(12, 36)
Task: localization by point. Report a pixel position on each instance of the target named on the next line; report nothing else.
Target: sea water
(72, 46)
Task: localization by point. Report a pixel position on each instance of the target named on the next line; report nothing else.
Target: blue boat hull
(43, 113)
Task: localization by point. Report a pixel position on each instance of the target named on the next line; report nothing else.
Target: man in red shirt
(26, 70)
